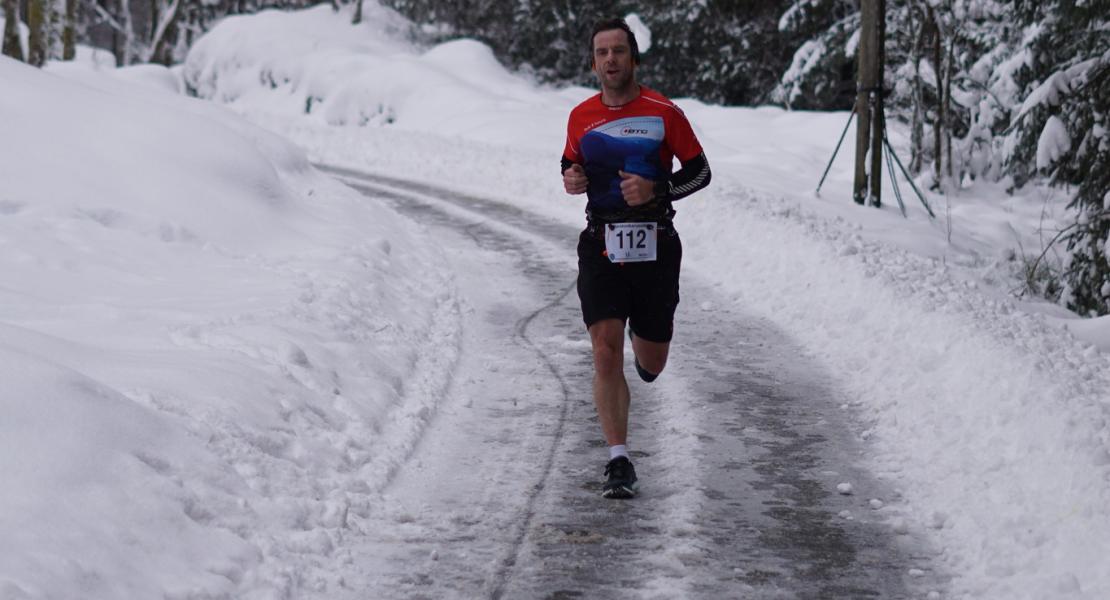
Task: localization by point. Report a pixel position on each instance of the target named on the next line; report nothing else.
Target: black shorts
(644, 293)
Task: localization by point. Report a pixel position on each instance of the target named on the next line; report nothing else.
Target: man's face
(612, 59)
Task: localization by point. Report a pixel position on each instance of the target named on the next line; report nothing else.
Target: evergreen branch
(1067, 230)
(981, 86)
(1102, 61)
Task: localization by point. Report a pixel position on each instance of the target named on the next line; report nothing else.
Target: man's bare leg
(612, 399)
(651, 356)
(611, 395)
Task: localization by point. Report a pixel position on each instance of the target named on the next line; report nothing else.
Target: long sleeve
(693, 176)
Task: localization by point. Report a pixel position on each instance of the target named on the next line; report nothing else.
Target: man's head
(614, 54)
(615, 24)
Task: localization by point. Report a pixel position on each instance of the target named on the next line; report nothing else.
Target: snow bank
(359, 75)
(204, 348)
(990, 421)
(990, 417)
(88, 509)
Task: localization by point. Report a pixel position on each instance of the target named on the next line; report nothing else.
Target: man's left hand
(635, 189)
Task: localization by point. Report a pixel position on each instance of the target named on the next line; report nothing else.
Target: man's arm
(693, 176)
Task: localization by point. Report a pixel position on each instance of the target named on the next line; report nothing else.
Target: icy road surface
(740, 446)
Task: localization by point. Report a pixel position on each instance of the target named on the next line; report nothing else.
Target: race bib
(631, 242)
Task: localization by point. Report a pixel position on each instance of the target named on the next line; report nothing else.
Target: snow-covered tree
(715, 50)
(945, 60)
(726, 52)
(12, 46)
(942, 57)
(1060, 131)
(821, 74)
(1004, 90)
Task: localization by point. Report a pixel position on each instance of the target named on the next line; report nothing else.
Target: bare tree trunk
(190, 29)
(917, 126)
(128, 24)
(938, 123)
(123, 34)
(358, 13)
(69, 32)
(56, 11)
(12, 46)
(155, 17)
(37, 22)
(117, 48)
(949, 75)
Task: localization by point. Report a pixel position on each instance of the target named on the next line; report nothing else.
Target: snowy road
(740, 447)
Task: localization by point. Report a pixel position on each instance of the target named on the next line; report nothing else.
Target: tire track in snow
(321, 461)
(404, 191)
(503, 574)
(408, 420)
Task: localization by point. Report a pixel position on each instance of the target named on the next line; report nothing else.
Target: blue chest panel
(630, 145)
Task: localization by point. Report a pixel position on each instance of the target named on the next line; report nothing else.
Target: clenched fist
(574, 179)
(635, 189)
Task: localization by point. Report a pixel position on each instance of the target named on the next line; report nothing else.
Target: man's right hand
(574, 179)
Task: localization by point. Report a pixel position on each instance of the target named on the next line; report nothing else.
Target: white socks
(615, 451)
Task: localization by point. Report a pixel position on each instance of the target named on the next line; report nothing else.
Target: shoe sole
(620, 493)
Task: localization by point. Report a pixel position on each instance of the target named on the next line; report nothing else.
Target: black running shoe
(622, 479)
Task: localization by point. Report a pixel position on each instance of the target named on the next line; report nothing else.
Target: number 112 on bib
(631, 242)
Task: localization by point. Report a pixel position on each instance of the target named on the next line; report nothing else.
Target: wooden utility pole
(869, 103)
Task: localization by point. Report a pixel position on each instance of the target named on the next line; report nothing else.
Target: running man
(619, 151)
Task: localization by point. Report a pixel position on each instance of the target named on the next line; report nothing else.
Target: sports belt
(596, 229)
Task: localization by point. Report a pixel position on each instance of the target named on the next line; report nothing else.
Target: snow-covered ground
(207, 347)
(206, 340)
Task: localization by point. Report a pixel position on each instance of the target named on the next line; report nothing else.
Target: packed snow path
(740, 447)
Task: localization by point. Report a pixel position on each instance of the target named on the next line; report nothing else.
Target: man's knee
(608, 347)
(608, 359)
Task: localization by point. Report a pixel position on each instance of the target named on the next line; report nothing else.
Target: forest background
(1016, 92)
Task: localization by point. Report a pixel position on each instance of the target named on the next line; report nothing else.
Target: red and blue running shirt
(641, 137)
